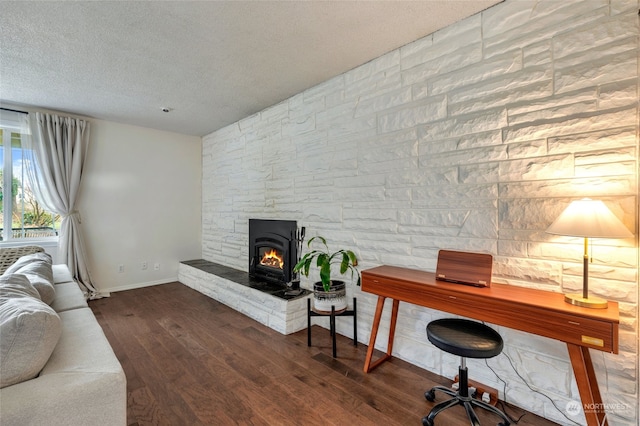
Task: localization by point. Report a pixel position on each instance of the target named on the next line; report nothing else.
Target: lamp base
(586, 302)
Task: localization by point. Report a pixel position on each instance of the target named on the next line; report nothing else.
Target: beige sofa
(81, 382)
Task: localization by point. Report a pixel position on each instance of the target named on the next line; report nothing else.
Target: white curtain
(58, 146)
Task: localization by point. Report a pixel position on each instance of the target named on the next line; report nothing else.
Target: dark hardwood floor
(190, 360)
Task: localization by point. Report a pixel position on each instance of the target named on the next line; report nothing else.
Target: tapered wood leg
(368, 365)
(392, 327)
(587, 385)
(374, 333)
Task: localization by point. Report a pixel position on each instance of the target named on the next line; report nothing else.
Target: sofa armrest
(66, 399)
(9, 255)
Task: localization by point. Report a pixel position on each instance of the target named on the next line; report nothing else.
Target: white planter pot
(336, 296)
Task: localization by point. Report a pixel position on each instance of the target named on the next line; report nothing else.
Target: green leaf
(352, 257)
(325, 275)
(344, 265)
(324, 259)
(319, 238)
(307, 267)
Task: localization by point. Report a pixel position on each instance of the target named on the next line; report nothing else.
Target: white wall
(140, 202)
(473, 138)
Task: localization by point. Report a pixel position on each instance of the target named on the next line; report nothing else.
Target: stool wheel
(430, 395)
(426, 422)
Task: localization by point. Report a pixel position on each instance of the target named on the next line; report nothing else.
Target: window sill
(42, 242)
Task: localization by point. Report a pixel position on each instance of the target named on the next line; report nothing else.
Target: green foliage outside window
(26, 212)
(15, 184)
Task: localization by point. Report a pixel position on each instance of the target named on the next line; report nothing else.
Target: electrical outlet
(156, 266)
(121, 268)
(144, 266)
(479, 391)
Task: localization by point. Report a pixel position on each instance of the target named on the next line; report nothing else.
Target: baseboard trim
(139, 285)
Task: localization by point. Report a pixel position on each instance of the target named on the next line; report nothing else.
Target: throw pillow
(17, 285)
(39, 272)
(30, 331)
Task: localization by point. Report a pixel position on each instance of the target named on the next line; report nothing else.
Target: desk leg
(368, 366)
(392, 327)
(587, 385)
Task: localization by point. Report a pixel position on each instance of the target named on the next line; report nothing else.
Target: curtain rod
(14, 110)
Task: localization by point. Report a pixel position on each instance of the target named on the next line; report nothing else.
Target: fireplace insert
(272, 250)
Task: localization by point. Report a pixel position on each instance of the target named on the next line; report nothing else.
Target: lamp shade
(590, 219)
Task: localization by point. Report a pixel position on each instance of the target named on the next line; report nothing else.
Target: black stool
(332, 322)
(467, 339)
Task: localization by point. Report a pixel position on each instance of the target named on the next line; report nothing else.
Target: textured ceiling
(211, 62)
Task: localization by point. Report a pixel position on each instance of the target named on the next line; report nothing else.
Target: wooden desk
(533, 311)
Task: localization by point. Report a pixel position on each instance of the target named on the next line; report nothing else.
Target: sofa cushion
(68, 296)
(30, 330)
(61, 274)
(37, 268)
(17, 285)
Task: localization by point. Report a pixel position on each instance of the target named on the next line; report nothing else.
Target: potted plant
(328, 292)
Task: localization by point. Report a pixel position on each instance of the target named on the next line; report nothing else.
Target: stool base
(461, 397)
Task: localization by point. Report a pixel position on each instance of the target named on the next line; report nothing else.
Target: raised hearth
(265, 302)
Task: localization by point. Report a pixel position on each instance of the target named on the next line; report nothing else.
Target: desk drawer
(571, 329)
(581, 331)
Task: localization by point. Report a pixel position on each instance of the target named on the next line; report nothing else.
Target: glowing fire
(272, 259)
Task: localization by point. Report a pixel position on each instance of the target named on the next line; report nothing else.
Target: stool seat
(469, 339)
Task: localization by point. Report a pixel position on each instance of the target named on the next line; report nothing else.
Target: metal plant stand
(332, 322)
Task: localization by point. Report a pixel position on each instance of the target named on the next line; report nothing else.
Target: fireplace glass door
(272, 249)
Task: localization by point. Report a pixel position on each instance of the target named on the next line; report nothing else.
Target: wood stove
(272, 250)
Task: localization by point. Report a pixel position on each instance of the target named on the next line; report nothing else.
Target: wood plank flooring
(190, 360)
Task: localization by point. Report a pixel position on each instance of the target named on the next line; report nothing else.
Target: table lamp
(589, 219)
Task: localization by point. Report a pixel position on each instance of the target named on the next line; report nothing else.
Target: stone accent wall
(473, 138)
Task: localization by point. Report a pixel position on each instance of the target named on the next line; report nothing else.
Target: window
(22, 217)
